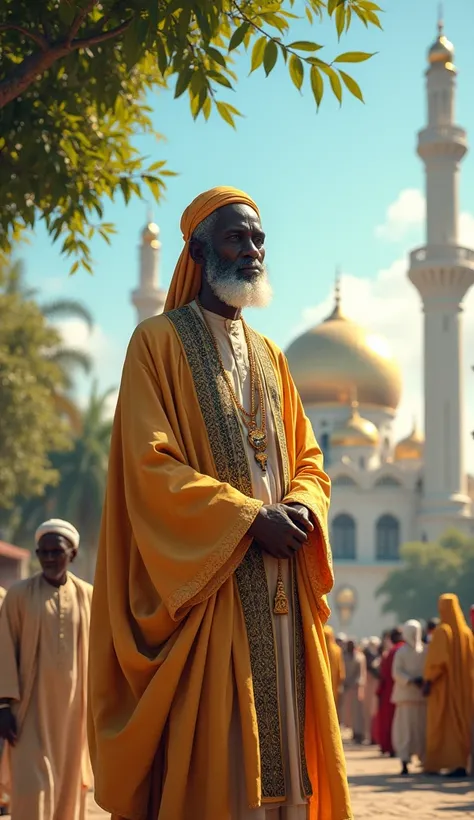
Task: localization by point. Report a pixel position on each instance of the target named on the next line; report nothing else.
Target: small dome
(355, 432)
(150, 233)
(338, 359)
(442, 51)
(411, 447)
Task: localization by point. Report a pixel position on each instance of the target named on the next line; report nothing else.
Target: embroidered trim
(201, 587)
(274, 392)
(300, 682)
(227, 447)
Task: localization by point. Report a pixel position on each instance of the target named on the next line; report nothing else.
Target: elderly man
(210, 694)
(44, 641)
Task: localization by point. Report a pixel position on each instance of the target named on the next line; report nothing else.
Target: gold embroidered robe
(181, 619)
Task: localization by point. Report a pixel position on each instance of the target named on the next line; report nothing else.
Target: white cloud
(406, 213)
(390, 306)
(107, 355)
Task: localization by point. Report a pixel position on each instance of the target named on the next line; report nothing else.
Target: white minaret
(149, 299)
(442, 272)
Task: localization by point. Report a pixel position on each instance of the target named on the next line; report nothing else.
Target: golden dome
(355, 432)
(442, 51)
(338, 359)
(411, 447)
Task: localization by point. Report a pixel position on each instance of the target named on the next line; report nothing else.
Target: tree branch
(94, 38)
(24, 74)
(31, 35)
(79, 20)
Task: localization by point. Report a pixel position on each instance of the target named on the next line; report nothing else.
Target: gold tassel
(280, 605)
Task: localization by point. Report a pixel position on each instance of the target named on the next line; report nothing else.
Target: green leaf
(216, 55)
(340, 20)
(258, 52)
(206, 109)
(309, 15)
(354, 57)
(333, 5)
(351, 85)
(372, 18)
(304, 45)
(182, 82)
(238, 36)
(66, 12)
(219, 78)
(225, 113)
(296, 69)
(361, 15)
(317, 84)
(125, 187)
(161, 55)
(156, 166)
(270, 57)
(74, 268)
(336, 86)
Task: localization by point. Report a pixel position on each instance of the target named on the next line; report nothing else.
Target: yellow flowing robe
(450, 669)
(180, 610)
(44, 633)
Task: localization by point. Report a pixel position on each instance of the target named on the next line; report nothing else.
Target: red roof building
(14, 564)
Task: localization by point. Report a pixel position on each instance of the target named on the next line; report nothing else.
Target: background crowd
(410, 692)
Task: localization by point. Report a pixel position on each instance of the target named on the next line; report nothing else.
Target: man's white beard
(232, 289)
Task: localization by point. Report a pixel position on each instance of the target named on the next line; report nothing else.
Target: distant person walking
(449, 677)
(354, 690)
(386, 707)
(409, 724)
(336, 664)
(372, 661)
(44, 642)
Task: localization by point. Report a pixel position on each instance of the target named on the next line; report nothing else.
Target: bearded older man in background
(210, 694)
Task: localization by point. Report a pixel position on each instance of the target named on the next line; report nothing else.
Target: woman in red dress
(386, 707)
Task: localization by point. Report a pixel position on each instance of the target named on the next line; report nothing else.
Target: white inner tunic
(267, 487)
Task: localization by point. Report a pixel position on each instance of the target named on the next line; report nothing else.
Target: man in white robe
(44, 641)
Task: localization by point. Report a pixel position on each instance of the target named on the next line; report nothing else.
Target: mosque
(385, 492)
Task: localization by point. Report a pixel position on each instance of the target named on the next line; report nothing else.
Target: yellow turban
(186, 281)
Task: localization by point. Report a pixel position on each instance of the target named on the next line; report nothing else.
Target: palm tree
(70, 360)
(83, 474)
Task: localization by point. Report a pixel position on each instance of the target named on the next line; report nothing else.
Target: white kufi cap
(56, 525)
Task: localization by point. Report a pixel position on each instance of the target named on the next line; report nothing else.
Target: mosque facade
(386, 492)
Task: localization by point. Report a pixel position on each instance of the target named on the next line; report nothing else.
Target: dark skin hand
(281, 529)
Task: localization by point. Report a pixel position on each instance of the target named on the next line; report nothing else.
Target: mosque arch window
(387, 481)
(344, 537)
(343, 481)
(388, 538)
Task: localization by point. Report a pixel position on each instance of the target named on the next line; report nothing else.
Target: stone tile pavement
(379, 792)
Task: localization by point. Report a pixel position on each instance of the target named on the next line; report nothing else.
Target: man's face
(350, 647)
(55, 553)
(234, 258)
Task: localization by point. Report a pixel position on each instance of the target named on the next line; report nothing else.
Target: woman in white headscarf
(409, 725)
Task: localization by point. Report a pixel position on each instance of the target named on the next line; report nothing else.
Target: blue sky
(324, 183)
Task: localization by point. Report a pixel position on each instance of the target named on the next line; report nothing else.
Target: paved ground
(378, 792)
